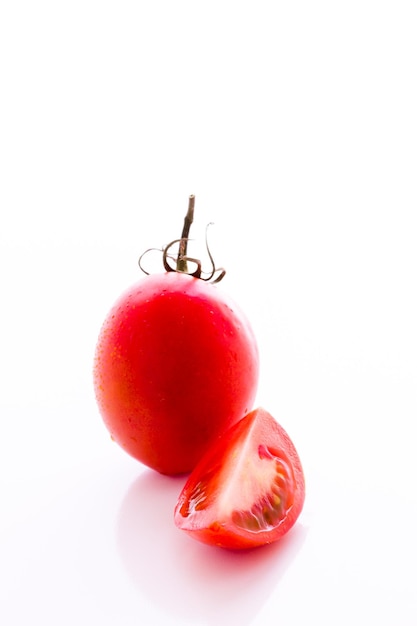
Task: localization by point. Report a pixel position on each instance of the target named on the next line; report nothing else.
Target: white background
(294, 123)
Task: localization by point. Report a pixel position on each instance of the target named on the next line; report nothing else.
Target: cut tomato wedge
(248, 490)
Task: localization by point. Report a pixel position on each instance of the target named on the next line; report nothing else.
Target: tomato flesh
(176, 364)
(248, 490)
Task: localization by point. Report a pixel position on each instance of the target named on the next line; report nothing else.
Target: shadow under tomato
(188, 579)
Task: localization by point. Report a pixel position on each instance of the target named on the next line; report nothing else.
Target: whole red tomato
(176, 364)
(248, 490)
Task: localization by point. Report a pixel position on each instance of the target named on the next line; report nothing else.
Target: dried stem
(182, 252)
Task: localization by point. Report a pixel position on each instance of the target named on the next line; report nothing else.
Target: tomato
(249, 488)
(176, 364)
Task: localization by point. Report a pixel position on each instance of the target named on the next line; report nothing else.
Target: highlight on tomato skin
(248, 490)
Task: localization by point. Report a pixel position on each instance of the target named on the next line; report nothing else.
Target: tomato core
(273, 505)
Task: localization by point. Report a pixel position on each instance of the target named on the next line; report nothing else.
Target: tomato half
(176, 364)
(249, 488)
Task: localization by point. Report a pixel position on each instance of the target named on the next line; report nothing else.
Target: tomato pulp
(248, 490)
(176, 364)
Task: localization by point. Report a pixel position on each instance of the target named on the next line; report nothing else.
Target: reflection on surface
(185, 578)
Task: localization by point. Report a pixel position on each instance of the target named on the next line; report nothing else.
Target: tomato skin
(237, 474)
(176, 363)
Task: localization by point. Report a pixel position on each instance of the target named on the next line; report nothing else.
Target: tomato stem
(182, 260)
(182, 252)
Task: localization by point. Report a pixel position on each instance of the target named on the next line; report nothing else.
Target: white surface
(294, 124)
